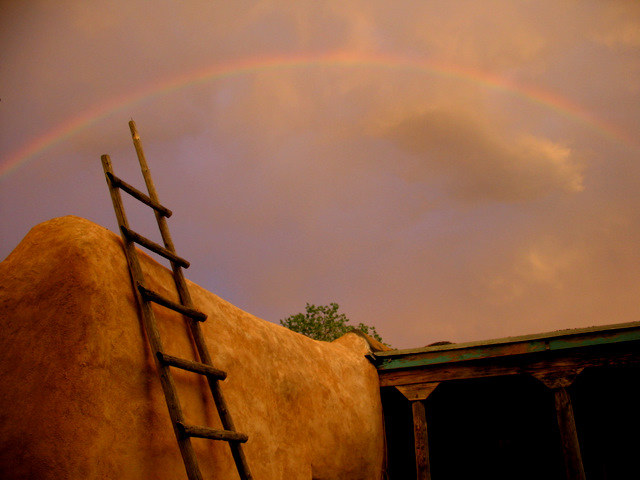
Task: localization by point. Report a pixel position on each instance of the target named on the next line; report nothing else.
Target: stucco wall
(80, 398)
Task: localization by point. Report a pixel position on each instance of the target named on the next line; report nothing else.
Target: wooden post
(569, 435)
(421, 438)
(417, 394)
(566, 421)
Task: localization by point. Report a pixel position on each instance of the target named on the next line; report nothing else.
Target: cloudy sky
(444, 170)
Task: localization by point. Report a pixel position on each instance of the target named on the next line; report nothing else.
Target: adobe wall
(80, 398)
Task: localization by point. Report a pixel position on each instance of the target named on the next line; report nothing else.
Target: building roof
(526, 344)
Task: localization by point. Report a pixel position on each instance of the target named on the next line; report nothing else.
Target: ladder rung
(134, 192)
(212, 433)
(191, 366)
(154, 247)
(152, 296)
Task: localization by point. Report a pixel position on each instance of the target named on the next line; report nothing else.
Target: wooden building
(554, 406)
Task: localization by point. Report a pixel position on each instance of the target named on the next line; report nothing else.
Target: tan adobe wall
(80, 398)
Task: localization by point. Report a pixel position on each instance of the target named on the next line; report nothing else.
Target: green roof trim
(551, 341)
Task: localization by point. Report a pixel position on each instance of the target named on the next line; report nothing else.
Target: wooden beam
(533, 364)
(564, 341)
(439, 373)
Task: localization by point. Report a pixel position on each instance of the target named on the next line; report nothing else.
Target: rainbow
(102, 110)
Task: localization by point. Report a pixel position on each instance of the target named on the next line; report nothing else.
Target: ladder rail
(153, 335)
(193, 317)
(183, 292)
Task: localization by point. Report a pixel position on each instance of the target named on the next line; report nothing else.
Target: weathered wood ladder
(145, 297)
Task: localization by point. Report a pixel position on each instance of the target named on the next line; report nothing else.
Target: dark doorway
(398, 420)
(499, 428)
(605, 402)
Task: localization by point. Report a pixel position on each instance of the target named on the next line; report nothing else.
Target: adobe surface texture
(80, 397)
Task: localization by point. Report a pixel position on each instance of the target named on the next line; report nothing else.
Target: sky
(443, 170)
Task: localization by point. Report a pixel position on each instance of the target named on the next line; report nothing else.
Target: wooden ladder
(145, 297)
